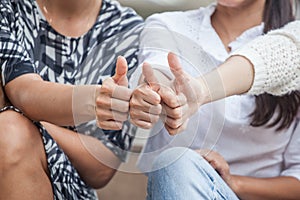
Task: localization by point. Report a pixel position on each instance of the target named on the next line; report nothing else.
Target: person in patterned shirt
(61, 72)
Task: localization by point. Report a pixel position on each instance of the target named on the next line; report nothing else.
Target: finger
(119, 105)
(145, 94)
(150, 77)
(122, 93)
(204, 153)
(140, 115)
(110, 88)
(110, 125)
(175, 113)
(120, 77)
(108, 103)
(171, 99)
(176, 68)
(105, 115)
(174, 123)
(178, 130)
(141, 124)
(139, 104)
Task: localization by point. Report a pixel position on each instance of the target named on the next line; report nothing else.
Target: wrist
(84, 103)
(205, 96)
(236, 184)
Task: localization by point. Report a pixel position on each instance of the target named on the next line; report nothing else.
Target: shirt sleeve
(156, 41)
(14, 59)
(292, 154)
(276, 60)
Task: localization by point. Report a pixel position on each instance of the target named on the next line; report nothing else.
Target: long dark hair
(277, 13)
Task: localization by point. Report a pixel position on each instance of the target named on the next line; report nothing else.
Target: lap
(185, 174)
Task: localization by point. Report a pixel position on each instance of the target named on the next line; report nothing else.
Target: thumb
(176, 68)
(120, 77)
(150, 77)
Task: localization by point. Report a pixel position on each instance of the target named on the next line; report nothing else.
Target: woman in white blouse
(252, 141)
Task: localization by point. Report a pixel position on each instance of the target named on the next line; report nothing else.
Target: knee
(180, 173)
(18, 136)
(173, 161)
(176, 158)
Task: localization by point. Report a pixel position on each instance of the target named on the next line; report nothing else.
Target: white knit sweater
(276, 60)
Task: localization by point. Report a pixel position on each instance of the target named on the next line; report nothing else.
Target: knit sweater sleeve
(276, 60)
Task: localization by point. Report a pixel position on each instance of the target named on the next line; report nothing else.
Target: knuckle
(173, 103)
(174, 123)
(134, 102)
(133, 113)
(101, 102)
(177, 113)
(133, 121)
(100, 124)
(105, 88)
(147, 126)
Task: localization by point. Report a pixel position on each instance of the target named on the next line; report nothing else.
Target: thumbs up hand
(112, 99)
(188, 99)
(145, 105)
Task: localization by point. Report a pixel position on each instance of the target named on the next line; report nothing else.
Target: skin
(232, 17)
(253, 188)
(230, 20)
(70, 18)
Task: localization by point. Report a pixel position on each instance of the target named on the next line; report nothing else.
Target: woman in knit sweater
(261, 62)
(252, 141)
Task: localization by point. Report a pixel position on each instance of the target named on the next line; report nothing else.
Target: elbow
(102, 178)
(21, 100)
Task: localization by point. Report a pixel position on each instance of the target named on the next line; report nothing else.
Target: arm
(71, 105)
(96, 163)
(270, 63)
(235, 76)
(281, 187)
(267, 188)
(52, 104)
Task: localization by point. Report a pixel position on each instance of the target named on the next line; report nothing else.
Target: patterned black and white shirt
(28, 44)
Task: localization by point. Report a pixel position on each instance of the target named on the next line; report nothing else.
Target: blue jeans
(182, 174)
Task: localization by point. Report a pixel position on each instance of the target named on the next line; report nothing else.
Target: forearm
(276, 60)
(235, 76)
(95, 163)
(287, 188)
(43, 101)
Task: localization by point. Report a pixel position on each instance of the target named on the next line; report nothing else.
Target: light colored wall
(148, 7)
(297, 9)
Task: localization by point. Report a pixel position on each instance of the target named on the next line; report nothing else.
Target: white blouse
(224, 125)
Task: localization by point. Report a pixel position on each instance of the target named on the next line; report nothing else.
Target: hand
(175, 110)
(184, 101)
(112, 101)
(220, 165)
(145, 105)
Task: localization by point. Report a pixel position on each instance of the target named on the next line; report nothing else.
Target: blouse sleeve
(276, 60)
(155, 43)
(14, 59)
(292, 155)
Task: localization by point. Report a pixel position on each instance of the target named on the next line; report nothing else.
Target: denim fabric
(188, 177)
